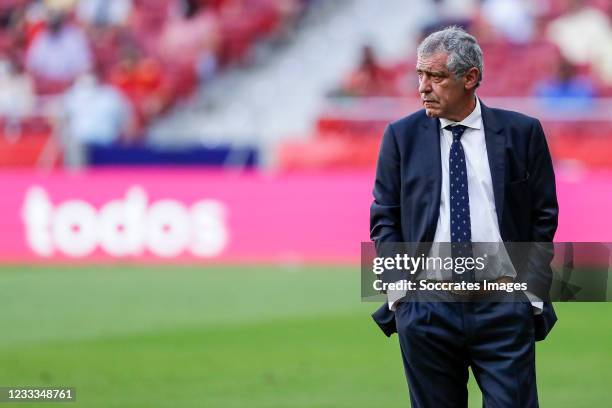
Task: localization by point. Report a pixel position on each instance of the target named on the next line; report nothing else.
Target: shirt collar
(473, 120)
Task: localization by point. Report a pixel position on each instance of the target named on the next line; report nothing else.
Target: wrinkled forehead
(432, 63)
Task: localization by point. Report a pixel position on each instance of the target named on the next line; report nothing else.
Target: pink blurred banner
(182, 215)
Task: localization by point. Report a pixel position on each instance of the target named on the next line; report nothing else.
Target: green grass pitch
(257, 337)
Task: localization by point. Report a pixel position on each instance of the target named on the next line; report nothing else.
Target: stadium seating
(128, 56)
(343, 137)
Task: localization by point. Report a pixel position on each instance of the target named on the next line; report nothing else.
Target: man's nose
(424, 86)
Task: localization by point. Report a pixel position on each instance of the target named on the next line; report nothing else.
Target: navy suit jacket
(409, 180)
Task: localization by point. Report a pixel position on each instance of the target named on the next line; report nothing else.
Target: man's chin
(432, 113)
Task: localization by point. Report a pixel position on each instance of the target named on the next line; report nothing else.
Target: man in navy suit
(461, 172)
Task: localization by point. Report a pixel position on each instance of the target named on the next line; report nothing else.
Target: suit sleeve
(385, 212)
(544, 214)
(544, 207)
(385, 222)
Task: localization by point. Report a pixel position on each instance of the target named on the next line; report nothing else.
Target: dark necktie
(461, 234)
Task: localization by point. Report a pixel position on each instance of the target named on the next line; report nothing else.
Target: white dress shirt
(483, 216)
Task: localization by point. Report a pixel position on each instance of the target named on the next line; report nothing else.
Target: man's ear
(471, 78)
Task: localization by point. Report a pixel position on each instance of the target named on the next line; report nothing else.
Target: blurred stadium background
(186, 184)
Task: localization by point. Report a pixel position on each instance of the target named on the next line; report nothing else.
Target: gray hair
(462, 48)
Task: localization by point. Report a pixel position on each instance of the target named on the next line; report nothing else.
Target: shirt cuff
(394, 297)
(536, 302)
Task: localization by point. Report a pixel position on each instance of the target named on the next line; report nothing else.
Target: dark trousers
(440, 340)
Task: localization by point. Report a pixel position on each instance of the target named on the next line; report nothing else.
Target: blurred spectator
(12, 39)
(142, 81)
(190, 40)
(566, 90)
(104, 12)
(455, 10)
(584, 36)
(370, 79)
(95, 113)
(147, 20)
(513, 20)
(17, 97)
(60, 52)
(450, 12)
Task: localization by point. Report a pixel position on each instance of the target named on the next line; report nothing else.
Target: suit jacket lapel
(432, 160)
(495, 141)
